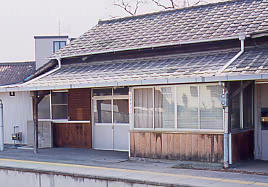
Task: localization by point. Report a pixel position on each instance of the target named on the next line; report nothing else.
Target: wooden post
(35, 119)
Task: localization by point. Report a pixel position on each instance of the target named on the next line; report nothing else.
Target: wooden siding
(177, 146)
(77, 135)
(79, 104)
(242, 146)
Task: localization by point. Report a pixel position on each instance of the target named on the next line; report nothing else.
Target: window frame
(241, 108)
(59, 42)
(176, 129)
(51, 105)
(112, 98)
(50, 108)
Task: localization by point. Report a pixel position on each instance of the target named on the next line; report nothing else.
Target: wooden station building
(186, 84)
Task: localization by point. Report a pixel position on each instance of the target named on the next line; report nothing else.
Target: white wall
(17, 111)
(44, 48)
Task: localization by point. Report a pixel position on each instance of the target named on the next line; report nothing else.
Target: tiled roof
(133, 71)
(206, 22)
(15, 72)
(253, 61)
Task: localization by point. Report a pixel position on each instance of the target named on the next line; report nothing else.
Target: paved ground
(67, 155)
(116, 165)
(253, 166)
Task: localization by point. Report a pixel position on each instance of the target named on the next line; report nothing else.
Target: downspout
(227, 139)
(242, 46)
(1, 126)
(226, 145)
(45, 74)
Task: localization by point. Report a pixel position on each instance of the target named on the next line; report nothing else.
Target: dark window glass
(235, 104)
(120, 91)
(102, 92)
(121, 114)
(248, 106)
(59, 112)
(59, 101)
(59, 97)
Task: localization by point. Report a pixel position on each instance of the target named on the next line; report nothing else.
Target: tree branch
(128, 7)
(163, 6)
(172, 3)
(131, 6)
(125, 6)
(137, 6)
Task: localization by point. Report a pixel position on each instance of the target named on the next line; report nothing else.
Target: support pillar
(35, 119)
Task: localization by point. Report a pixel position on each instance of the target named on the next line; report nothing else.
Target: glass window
(120, 111)
(187, 106)
(143, 108)
(102, 92)
(44, 108)
(58, 45)
(248, 107)
(59, 98)
(59, 102)
(211, 112)
(235, 104)
(164, 108)
(120, 91)
(194, 106)
(59, 112)
(103, 111)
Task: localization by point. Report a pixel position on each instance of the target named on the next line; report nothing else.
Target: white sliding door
(111, 120)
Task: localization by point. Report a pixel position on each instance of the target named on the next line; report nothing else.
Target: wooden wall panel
(153, 144)
(243, 146)
(77, 135)
(147, 145)
(158, 139)
(178, 146)
(79, 104)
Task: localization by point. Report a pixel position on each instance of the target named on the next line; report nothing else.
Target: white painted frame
(112, 98)
(176, 129)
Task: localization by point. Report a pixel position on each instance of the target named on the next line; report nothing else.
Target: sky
(21, 20)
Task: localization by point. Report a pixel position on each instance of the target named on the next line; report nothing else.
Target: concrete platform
(86, 164)
(66, 155)
(251, 167)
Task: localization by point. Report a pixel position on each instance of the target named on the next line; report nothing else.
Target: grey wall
(44, 48)
(44, 134)
(36, 179)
